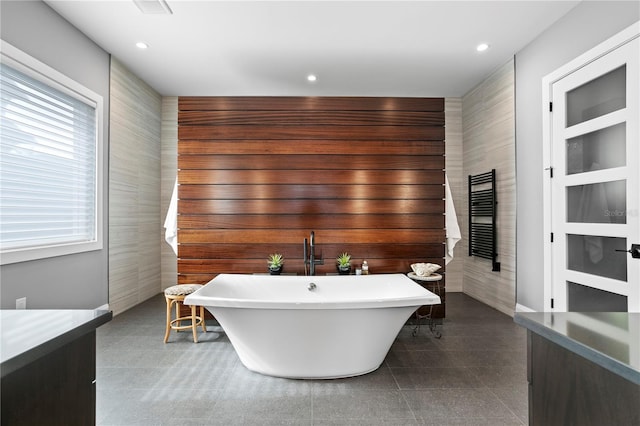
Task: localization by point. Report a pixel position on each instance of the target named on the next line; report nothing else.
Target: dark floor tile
(473, 375)
(243, 383)
(133, 407)
(419, 359)
(128, 377)
(466, 421)
(501, 376)
(366, 422)
(238, 420)
(474, 343)
(359, 405)
(445, 404)
(516, 399)
(186, 378)
(435, 378)
(264, 406)
(410, 340)
(500, 327)
(482, 358)
(134, 358)
(380, 379)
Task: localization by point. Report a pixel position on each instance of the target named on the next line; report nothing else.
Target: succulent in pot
(343, 263)
(275, 262)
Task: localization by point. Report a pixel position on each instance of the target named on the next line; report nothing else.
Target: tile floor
(474, 375)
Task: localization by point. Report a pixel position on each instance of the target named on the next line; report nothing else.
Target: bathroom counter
(583, 367)
(48, 365)
(29, 334)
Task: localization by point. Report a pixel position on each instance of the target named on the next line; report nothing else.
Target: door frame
(628, 34)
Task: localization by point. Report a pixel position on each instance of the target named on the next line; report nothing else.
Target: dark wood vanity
(583, 368)
(49, 366)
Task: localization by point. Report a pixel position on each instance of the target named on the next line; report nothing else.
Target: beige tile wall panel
(453, 164)
(169, 167)
(489, 143)
(134, 190)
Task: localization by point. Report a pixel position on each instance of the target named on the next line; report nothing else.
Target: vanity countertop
(608, 339)
(26, 335)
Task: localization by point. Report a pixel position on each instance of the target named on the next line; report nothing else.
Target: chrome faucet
(311, 260)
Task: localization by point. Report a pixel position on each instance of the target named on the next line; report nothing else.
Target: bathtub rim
(421, 296)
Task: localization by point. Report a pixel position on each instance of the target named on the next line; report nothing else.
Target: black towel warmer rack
(482, 217)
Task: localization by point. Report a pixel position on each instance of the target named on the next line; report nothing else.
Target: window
(50, 162)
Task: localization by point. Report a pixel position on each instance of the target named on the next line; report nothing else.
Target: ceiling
(356, 48)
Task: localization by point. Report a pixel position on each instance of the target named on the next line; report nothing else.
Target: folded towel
(424, 269)
(451, 222)
(171, 221)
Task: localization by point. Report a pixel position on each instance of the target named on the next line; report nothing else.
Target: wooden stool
(175, 295)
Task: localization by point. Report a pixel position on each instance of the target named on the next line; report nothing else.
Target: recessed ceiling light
(482, 47)
(141, 45)
(312, 78)
(153, 7)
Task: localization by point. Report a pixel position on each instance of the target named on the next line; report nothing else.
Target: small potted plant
(275, 261)
(343, 263)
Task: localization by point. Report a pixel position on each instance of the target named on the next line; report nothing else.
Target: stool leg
(178, 323)
(168, 329)
(203, 323)
(194, 323)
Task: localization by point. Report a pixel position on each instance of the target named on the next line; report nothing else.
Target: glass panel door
(594, 188)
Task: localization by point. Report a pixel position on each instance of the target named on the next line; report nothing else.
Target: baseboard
(104, 307)
(523, 308)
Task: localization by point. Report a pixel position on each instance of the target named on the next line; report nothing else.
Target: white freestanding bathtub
(343, 326)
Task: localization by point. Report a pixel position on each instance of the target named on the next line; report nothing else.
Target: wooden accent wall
(257, 174)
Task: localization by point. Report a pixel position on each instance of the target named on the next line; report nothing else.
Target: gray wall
(80, 280)
(457, 182)
(134, 190)
(489, 143)
(168, 167)
(584, 27)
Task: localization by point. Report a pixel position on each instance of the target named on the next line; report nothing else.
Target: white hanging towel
(171, 221)
(453, 234)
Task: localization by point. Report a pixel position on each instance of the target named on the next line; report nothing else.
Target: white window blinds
(48, 165)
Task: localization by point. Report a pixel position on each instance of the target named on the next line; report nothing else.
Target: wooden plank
(310, 162)
(311, 221)
(294, 252)
(298, 207)
(284, 132)
(355, 177)
(326, 118)
(275, 103)
(327, 236)
(195, 278)
(208, 272)
(212, 267)
(318, 147)
(355, 192)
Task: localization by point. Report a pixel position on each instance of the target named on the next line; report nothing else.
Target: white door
(594, 181)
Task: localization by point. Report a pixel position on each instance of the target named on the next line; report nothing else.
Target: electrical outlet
(21, 303)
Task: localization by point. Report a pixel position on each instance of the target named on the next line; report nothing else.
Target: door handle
(634, 250)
